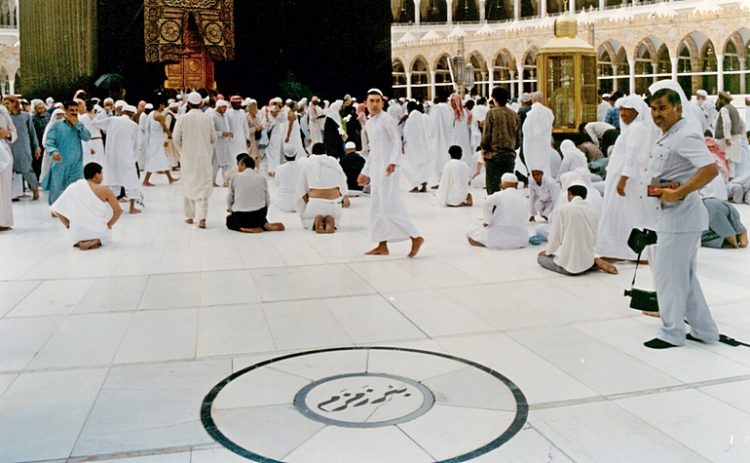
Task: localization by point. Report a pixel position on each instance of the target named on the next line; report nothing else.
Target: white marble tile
(232, 330)
(172, 291)
(336, 280)
(528, 446)
(387, 276)
(259, 388)
(5, 382)
(368, 319)
(735, 394)
(84, 340)
(183, 457)
(600, 366)
(22, 338)
(270, 431)
(413, 365)
(156, 335)
(113, 295)
(53, 297)
(150, 406)
(324, 364)
(359, 446)
(598, 432)
(448, 432)
(225, 288)
(710, 427)
(471, 388)
(13, 292)
(217, 455)
(52, 407)
(304, 325)
(281, 284)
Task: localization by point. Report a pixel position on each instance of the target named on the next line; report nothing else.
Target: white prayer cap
(120, 104)
(222, 104)
(525, 97)
(290, 151)
(149, 106)
(376, 91)
(509, 178)
(251, 102)
(605, 96)
(174, 105)
(195, 98)
(50, 100)
(350, 145)
(277, 100)
(702, 93)
(130, 109)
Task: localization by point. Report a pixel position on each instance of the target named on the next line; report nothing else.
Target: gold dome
(566, 26)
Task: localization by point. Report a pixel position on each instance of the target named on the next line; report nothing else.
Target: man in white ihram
(537, 136)
(194, 136)
(389, 220)
(505, 218)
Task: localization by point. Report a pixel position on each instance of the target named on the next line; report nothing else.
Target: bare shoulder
(102, 192)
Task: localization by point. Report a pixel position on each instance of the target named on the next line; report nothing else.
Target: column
(675, 63)
(743, 64)
(572, 7)
(512, 87)
(450, 12)
(654, 71)
(491, 78)
(615, 81)
(543, 8)
(520, 79)
(482, 10)
(417, 13)
(631, 82)
(517, 10)
(408, 84)
(602, 5)
(12, 83)
(719, 72)
(433, 93)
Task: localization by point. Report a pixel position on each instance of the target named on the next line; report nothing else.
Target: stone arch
(529, 76)
(399, 73)
(420, 78)
(613, 67)
(481, 73)
(703, 72)
(736, 60)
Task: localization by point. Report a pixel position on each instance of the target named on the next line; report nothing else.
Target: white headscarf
(568, 148)
(333, 113)
(690, 112)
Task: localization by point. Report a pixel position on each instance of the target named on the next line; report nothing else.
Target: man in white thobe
(389, 220)
(287, 176)
(416, 148)
(505, 223)
(120, 152)
(440, 125)
(223, 157)
(7, 136)
(316, 118)
(537, 136)
(543, 193)
(603, 108)
(707, 109)
(194, 136)
(238, 125)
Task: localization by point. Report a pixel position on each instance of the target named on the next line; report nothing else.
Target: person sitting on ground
(454, 184)
(570, 250)
(82, 208)
(739, 190)
(505, 223)
(322, 186)
(573, 158)
(352, 163)
(725, 228)
(248, 200)
(543, 192)
(287, 175)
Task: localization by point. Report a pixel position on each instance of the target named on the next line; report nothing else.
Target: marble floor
(109, 355)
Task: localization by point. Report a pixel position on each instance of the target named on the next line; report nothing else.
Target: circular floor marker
(361, 404)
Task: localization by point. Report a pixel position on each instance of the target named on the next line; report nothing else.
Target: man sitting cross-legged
(322, 186)
(82, 208)
(248, 200)
(570, 250)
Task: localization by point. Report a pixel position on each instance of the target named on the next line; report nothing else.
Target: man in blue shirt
(65, 151)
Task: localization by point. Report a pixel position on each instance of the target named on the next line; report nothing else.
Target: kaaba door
(196, 68)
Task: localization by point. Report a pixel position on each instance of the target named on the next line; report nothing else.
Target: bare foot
(381, 250)
(732, 240)
(133, 210)
(2, 229)
(743, 239)
(606, 266)
(318, 224)
(475, 243)
(189, 221)
(416, 244)
(35, 197)
(172, 180)
(202, 224)
(435, 187)
(89, 244)
(424, 188)
(414, 190)
(469, 200)
(148, 184)
(330, 225)
(650, 314)
(216, 185)
(251, 230)
(276, 226)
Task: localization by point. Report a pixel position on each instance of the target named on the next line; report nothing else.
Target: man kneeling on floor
(248, 200)
(323, 188)
(82, 208)
(570, 250)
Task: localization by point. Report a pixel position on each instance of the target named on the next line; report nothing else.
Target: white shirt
(547, 192)
(507, 220)
(288, 175)
(320, 172)
(573, 235)
(595, 131)
(240, 129)
(454, 184)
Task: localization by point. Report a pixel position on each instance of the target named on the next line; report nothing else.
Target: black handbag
(645, 301)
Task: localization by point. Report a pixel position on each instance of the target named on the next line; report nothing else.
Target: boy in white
(322, 186)
(288, 175)
(505, 223)
(454, 184)
(543, 192)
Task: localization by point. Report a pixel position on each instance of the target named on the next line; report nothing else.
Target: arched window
(732, 69)
(529, 72)
(399, 79)
(709, 68)
(504, 72)
(495, 10)
(605, 72)
(435, 10)
(443, 77)
(420, 79)
(465, 10)
(481, 75)
(405, 12)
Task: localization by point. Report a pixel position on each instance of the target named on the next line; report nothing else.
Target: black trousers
(252, 219)
(498, 165)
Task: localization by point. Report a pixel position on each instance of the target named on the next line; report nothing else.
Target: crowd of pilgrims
(582, 197)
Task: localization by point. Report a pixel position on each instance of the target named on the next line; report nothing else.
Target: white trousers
(324, 207)
(196, 207)
(674, 265)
